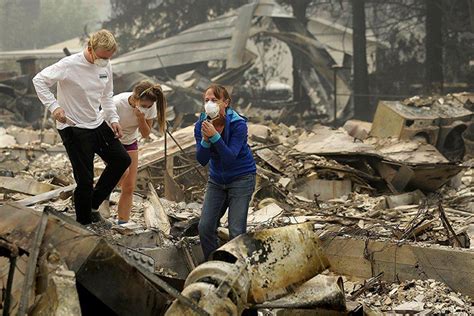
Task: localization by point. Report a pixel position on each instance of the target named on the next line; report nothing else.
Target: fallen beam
(155, 151)
(272, 159)
(398, 262)
(25, 186)
(48, 195)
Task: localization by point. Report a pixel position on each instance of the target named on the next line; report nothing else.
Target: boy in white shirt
(84, 84)
(136, 110)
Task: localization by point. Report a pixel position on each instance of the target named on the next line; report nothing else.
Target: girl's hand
(208, 129)
(139, 114)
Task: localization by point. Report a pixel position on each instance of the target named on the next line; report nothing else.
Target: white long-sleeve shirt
(82, 88)
(128, 119)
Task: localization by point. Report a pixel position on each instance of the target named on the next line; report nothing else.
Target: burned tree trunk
(299, 95)
(434, 47)
(362, 109)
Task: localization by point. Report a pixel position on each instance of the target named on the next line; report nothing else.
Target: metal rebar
(32, 261)
(11, 272)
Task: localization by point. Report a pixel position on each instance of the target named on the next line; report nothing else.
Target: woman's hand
(207, 129)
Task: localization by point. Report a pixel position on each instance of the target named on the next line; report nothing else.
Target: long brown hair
(219, 91)
(145, 90)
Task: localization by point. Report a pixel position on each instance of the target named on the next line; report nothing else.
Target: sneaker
(90, 228)
(99, 220)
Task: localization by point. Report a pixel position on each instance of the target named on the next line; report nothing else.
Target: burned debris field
(360, 152)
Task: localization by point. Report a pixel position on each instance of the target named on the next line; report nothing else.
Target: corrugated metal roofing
(207, 41)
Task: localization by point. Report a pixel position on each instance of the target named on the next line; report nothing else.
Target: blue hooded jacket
(229, 154)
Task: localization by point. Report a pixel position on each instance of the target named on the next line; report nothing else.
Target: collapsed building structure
(225, 39)
(182, 61)
(392, 218)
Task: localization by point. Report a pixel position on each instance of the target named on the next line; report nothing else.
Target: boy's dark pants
(81, 145)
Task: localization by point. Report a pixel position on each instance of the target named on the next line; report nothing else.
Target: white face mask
(101, 62)
(212, 109)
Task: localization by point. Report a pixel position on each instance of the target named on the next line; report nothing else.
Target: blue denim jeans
(235, 196)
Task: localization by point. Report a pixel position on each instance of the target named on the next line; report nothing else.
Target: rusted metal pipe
(8, 294)
(32, 262)
(12, 252)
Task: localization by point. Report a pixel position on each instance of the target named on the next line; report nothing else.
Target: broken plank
(408, 198)
(24, 186)
(265, 215)
(402, 178)
(173, 191)
(46, 195)
(422, 228)
(312, 188)
(454, 267)
(155, 215)
(271, 158)
(155, 151)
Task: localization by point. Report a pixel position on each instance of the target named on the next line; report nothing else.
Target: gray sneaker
(98, 220)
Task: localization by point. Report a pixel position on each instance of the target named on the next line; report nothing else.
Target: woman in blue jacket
(221, 141)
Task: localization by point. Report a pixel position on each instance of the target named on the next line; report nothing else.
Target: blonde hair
(102, 39)
(145, 90)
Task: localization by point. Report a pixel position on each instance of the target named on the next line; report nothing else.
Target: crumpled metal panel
(223, 38)
(272, 9)
(119, 284)
(203, 42)
(99, 267)
(321, 291)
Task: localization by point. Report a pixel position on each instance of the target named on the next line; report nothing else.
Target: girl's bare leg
(128, 183)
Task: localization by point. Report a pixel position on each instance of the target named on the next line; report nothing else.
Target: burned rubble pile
(392, 218)
(414, 296)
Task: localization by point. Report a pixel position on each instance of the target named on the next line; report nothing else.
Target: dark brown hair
(219, 91)
(145, 90)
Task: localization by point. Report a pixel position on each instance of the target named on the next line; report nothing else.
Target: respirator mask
(100, 62)
(212, 109)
